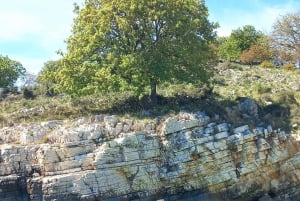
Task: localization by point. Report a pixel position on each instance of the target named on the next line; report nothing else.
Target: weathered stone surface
(221, 135)
(249, 107)
(241, 129)
(111, 159)
(222, 127)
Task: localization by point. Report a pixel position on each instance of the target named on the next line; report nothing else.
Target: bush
(28, 94)
(266, 64)
(289, 67)
(3, 92)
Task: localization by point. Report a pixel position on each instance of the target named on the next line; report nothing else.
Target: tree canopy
(47, 78)
(240, 39)
(286, 37)
(136, 45)
(258, 52)
(10, 71)
(229, 49)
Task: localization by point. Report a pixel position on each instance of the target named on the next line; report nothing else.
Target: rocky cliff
(189, 156)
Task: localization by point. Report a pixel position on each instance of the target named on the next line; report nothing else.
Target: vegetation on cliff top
(275, 90)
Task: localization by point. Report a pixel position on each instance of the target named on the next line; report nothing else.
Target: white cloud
(17, 25)
(43, 24)
(262, 17)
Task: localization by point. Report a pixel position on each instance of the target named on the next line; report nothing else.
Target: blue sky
(33, 30)
(232, 14)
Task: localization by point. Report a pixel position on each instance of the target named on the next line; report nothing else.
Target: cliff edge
(190, 156)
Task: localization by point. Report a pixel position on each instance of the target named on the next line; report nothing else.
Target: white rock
(240, 129)
(221, 135)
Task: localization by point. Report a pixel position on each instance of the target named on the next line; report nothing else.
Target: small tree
(10, 71)
(136, 45)
(30, 80)
(261, 51)
(286, 37)
(47, 78)
(229, 50)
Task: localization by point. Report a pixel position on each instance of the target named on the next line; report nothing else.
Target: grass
(276, 91)
(276, 86)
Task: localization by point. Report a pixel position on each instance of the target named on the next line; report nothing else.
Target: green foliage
(47, 78)
(267, 64)
(10, 71)
(289, 67)
(239, 41)
(135, 45)
(229, 50)
(246, 36)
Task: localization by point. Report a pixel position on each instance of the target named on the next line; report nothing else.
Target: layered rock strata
(185, 156)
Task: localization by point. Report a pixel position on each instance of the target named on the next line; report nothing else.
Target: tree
(238, 41)
(246, 36)
(260, 51)
(10, 71)
(47, 78)
(135, 45)
(30, 80)
(286, 37)
(229, 50)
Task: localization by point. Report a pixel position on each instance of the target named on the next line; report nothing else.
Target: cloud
(15, 25)
(41, 25)
(261, 14)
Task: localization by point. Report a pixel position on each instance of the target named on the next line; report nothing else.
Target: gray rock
(241, 129)
(249, 107)
(221, 135)
(111, 120)
(209, 130)
(282, 136)
(82, 162)
(222, 127)
(270, 129)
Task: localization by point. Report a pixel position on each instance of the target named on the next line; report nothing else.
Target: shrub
(256, 53)
(266, 64)
(28, 94)
(289, 67)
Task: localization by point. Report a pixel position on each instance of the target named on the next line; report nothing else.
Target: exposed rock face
(248, 107)
(187, 157)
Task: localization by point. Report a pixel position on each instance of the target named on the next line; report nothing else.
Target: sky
(262, 14)
(33, 30)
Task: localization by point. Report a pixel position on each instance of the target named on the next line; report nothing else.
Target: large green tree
(10, 71)
(135, 45)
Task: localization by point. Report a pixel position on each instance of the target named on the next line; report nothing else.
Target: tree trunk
(153, 94)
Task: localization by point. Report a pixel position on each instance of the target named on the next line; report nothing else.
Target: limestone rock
(105, 158)
(249, 107)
